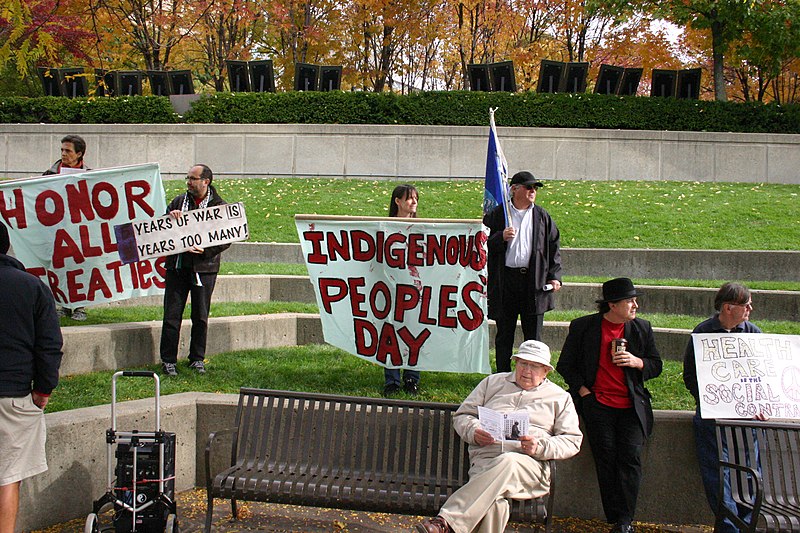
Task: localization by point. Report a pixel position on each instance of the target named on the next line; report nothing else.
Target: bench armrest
(209, 445)
(758, 486)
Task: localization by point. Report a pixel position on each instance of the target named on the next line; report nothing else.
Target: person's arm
(554, 253)
(566, 438)
(690, 370)
(465, 420)
(569, 361)
(47, 348)
(651, 359)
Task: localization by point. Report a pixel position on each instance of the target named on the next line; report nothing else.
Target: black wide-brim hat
(618, 289)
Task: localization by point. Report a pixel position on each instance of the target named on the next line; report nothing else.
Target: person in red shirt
(608, 389)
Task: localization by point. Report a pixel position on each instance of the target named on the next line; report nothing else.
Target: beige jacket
(553, 419)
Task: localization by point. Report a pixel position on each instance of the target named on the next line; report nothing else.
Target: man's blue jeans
(706, 442)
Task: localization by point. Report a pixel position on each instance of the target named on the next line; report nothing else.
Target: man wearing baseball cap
(524, 266)
(509, 469)
(608, 388)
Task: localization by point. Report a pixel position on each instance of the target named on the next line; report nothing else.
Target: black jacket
(545, 259)
(30, 351)
(208, 261)
(580, 358)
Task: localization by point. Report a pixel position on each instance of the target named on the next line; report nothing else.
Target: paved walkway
(274, 518)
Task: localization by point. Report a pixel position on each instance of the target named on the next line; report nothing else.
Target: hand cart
(142, 486)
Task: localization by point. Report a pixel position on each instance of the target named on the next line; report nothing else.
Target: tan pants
(482, 504)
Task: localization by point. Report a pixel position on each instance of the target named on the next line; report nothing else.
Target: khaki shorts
(22, 438)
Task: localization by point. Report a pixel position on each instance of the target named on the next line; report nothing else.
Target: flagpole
(502, 167)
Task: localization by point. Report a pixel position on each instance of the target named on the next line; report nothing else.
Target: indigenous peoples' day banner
(62, 229)
(400, 292)
(742, 375)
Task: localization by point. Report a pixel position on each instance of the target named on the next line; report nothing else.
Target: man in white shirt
(524, 266)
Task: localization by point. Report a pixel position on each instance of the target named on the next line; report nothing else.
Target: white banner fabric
(62, 229)
(743, 375)
(204, 228)
(401, 293)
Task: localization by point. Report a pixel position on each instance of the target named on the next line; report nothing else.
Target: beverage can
(618, 345)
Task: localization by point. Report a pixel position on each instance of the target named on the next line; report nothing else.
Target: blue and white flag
(496, 184)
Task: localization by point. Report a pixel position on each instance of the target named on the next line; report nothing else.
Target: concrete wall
(76, 455)
(410, 152)
(761, 265)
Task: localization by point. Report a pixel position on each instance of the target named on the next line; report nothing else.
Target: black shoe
(391, 389)
(411, 387)
(623, 528)
(169, 369)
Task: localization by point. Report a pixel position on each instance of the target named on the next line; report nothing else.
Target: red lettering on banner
(134, 198)
(114, 267)
(17, 212)
(161, 272)
(363, 246)
(340, 248)
(479, 257)
(445, 304)
(143, 269)
(425, 309)
(97, 283)
(46, 217)
(80, 208)
(414, 343)
(316, 257)
(86, 243)
(106, 212)
(356, 298)
(407, 298)
(395, 255)
(385, 347)
(109, 245)
(325, 286)
(64, 246)
(416, 252)
(380, 288)
(474, 319)
(73, 286)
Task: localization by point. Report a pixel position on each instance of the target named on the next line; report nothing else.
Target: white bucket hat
(535, 351)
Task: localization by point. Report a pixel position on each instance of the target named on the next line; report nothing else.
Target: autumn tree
(153, 28)
(226, 30)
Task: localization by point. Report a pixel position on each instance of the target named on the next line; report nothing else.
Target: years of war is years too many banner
(401, 292)
(743, 375)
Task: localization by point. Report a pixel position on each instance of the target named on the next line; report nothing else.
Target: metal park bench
(763, 459)
(343, 452)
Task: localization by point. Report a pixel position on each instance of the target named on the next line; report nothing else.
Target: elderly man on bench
(509, 469)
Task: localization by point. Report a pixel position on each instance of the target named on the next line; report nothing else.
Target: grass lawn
(590, 214)
(315, 368)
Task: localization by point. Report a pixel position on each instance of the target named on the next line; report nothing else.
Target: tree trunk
(718, 55)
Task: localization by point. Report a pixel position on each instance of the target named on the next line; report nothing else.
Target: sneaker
(79, 313)
(199, 366)
(411, 387)
(63, 312)
(391, 389)
(170, 369)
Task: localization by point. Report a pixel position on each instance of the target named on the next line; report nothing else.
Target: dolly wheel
(172, 524)
(92, 524)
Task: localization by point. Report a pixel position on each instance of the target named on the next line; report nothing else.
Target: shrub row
(440, 108)
(54, 110)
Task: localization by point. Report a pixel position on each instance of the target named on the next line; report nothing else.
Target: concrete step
(769, 305)
(761, 265)
(115, 346)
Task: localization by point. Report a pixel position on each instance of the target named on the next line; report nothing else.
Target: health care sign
(401, 293)
(62, 229)
(742, 375)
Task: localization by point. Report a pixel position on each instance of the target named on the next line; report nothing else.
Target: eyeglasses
(748, 305)
(192, 178)
(531, 187)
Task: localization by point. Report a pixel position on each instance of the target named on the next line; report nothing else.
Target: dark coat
(208, 261)
(580, 358)
(30, 354)
(545, 259)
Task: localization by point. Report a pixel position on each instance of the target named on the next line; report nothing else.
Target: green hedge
(54, 110)
(441, 108)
